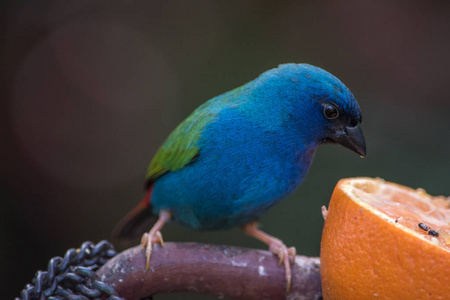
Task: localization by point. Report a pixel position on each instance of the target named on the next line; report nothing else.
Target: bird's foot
(154, 236)
(277, 247)
(284, 253)
(147, 241)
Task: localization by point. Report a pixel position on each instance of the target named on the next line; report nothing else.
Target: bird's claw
(160, 238)
(144, 240)
(293, 253)
(147, 241)
(284, 253)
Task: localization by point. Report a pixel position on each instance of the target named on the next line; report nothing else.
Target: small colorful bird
(242, 152)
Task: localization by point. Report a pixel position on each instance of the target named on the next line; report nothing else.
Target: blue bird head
(320, 108)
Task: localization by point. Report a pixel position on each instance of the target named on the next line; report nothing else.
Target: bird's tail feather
(136, 222)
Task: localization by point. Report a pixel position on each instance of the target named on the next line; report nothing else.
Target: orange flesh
(410, 207)
(373, 248)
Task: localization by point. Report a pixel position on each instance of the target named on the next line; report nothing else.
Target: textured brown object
(221, 271)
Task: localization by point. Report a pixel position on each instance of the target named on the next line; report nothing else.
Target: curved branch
(221, 271)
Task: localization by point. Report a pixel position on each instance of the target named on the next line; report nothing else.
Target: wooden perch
(221, 271)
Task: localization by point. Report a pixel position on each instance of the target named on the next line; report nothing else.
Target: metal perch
(221, 271)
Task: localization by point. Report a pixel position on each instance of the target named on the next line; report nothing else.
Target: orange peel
(373, 247)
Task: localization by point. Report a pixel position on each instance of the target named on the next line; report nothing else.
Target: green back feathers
(181, 145)
(181, 148)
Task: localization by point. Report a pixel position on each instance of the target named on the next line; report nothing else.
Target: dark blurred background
(90, 89)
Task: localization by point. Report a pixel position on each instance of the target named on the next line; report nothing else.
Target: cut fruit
(374, 248)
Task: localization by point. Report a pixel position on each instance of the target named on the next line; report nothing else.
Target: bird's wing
(180, 148)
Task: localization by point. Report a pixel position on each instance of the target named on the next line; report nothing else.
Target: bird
(242, 152)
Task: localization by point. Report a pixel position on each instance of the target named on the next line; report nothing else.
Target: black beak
(351, 138)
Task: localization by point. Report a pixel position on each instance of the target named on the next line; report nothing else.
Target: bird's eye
(330, 111)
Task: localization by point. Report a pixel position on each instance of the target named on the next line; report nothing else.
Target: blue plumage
(242, 152)
(256, 150)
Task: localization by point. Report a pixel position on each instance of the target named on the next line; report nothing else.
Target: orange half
(382, 240)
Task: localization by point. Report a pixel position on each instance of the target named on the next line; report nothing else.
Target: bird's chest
(257, 170)
(253, 168)
(242, 170)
